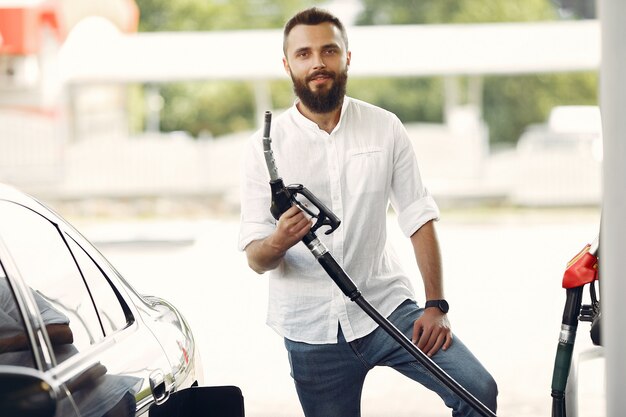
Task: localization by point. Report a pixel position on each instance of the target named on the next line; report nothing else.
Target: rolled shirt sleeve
(409, 198)
(418, 214)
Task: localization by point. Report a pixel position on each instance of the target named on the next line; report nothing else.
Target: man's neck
(325, 121)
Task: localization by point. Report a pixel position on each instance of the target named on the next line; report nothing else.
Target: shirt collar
(309, 124)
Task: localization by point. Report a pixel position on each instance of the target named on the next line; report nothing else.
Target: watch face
(440, 304)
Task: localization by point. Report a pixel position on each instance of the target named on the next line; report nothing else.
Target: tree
(191, 15)
(454, 11)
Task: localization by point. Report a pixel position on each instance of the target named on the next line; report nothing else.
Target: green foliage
(512, 103)
(411, 99)
(453, 11)
(207, 108)
(137, 113)
(192, 15)
(282, 93)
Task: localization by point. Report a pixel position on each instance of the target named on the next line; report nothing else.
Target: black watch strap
(440, 304)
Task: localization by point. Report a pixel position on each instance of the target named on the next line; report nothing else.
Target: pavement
(502, 269)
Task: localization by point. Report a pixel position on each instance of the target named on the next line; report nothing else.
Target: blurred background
(128, 117)
(147, 98)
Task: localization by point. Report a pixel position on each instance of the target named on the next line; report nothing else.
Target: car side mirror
(26, 392)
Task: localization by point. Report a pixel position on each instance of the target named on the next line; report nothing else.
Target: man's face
(317, 61)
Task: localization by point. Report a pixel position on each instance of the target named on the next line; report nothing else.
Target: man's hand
(265, 254)
(432, 331)
(291, 228)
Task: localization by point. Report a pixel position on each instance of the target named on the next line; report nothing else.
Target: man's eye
(302, 54)
(330, 51)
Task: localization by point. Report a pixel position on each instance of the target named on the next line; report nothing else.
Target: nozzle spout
(268, 123)
(267, 147)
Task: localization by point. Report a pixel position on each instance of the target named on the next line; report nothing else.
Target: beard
(321, 101)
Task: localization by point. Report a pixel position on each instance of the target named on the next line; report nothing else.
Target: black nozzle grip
(281, 198)
(325, 217)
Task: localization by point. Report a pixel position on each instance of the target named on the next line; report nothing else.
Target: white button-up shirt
(364, 164)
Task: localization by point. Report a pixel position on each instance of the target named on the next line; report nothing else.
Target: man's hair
(313, 16)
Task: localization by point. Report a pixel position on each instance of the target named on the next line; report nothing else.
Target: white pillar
(613, 244)
(153, 107)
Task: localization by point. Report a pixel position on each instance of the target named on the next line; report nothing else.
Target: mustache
(322, 73)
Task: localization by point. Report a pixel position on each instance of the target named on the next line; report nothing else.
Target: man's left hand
(432, 332)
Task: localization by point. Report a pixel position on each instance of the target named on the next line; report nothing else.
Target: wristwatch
(440, 304)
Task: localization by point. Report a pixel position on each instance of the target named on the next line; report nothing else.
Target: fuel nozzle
(267, 148)
(281, 197)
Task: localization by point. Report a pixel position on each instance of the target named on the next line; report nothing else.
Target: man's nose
(318, 62)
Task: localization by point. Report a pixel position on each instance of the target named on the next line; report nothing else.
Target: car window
(72, 293)
(46, 265)
(109, 306)
(15, 348)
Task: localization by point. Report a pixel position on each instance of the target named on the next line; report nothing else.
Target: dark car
(77, 340)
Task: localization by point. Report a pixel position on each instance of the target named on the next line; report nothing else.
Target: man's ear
(286, 66)
(348, 57)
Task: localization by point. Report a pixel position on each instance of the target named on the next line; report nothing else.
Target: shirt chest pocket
(365, 170)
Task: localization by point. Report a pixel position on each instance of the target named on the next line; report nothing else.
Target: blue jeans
(329, 378)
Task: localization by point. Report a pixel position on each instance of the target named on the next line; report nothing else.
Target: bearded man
(357, 159)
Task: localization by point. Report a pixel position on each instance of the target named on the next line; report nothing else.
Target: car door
(23, 345)
(99, 350)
